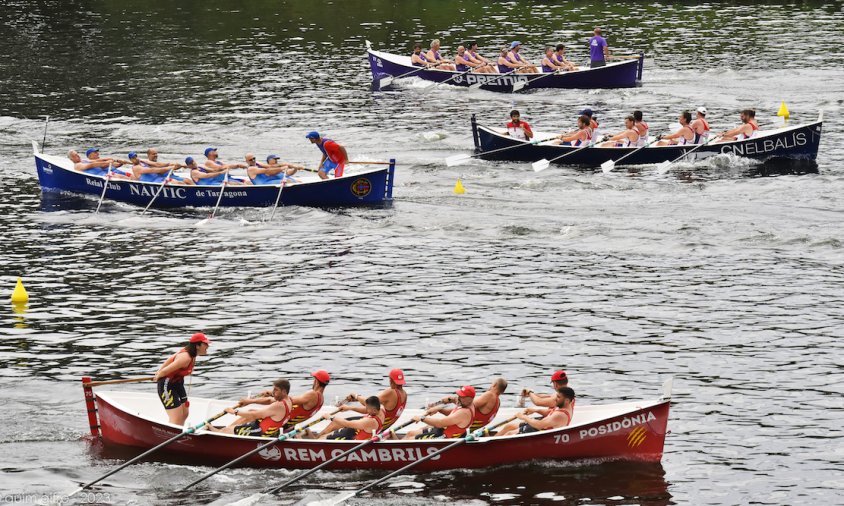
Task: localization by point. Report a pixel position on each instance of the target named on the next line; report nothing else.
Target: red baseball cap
(397, 375)
(199, 337)
(466, 391)
(322, 375)
(559, 376)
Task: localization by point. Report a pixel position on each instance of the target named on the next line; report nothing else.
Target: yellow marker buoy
(458, 188)
(783, 111)
(19, 294)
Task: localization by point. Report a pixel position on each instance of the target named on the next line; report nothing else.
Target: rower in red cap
(486, 404)
(171, 378)
(558, 380)
(392, 402)
(454, 424)
(304, 406)
(552, 418)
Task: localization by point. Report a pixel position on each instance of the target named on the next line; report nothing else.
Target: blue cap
(312, 135)
(132, 154)
(272, 157)
(208, 150)
(188, 160)
(587, 112)
(92, 150)
(515, 43)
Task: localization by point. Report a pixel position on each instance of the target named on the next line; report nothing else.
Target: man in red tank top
(393, 400)
(558, 381)
(454, 424)
(486, 404)
(552, 418)
(262, 422)
(309, 403)
(360, 428)
(171, 378)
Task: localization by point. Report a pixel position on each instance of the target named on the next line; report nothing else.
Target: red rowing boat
(622, 431)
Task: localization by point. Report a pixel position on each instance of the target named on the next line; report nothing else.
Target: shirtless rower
(747, 130)
(475, 57)
(641, 127)
(486, 404)
(552, 418)
(452, 425)
(213, 171)
(392, 400)
(560, 58)
(583, 134)
(699, 126)
(627, 138)
(513, 56)
(148, 174)
(358, 428)
(465, 64)
(683, 136)
(517, 128)
(272, 172)
(433, 56)
(559, 380)
(266, 421)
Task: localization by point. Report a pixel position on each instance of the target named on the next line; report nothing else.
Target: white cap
(702, 110)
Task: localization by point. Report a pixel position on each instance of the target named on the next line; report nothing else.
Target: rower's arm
(304, 399)
(365, 424)
(541, 400)
(452, 419)
(181, 361)
(256, 400)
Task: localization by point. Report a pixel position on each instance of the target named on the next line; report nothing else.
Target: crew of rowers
(468, 59)
(636, 131)
(213, 171)
(279, 411)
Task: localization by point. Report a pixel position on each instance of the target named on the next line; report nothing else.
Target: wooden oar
(105, 187)
(386, 81)
(341, 498)
(518, 85)
(662, 168)
(451, 161)
(543, 164)
(281, 437)
(160, 187)
(219, 199)
(185, 432)
(609, 165)
(119, 382)
(278, 197)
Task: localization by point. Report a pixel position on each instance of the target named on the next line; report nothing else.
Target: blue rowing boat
(622, 74)
(798, 143)
(366, 187)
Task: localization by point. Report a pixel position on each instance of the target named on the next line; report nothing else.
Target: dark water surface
(725, 279)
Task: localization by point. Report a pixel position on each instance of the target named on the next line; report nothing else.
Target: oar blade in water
(334, 501)
(540, 165)
(519, 85)
(451, 161)
(662, 168)
(203, 222)
(607, 166)
(385, 81)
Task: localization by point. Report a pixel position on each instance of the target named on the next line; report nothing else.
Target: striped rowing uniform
(300, 414)
(265, 427)
(390, 416)
(753, 133)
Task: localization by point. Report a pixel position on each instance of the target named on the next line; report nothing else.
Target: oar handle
(119, 382)
(370, 163)
(637, 150)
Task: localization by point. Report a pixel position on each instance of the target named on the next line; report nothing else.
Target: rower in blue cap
(273, 172)
(334, 156)
(514, 58)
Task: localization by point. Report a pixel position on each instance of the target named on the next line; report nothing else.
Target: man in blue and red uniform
(334, 156)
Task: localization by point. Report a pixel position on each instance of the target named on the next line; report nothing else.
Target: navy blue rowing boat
(367, 187)
(793, 143)
(622, 74)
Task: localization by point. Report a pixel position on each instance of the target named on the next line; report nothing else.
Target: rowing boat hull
(636, 434)
(625, 74)
(800, 142)
(364, 188)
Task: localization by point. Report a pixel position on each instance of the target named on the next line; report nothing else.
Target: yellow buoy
(783, 110)
(458, 188)
(19, 294)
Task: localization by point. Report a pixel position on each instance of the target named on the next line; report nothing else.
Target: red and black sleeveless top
(270, 427)
(300, 414)
(482, 420)
(391, 415)
(178, 376)
(362, 434)
(456, 430)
